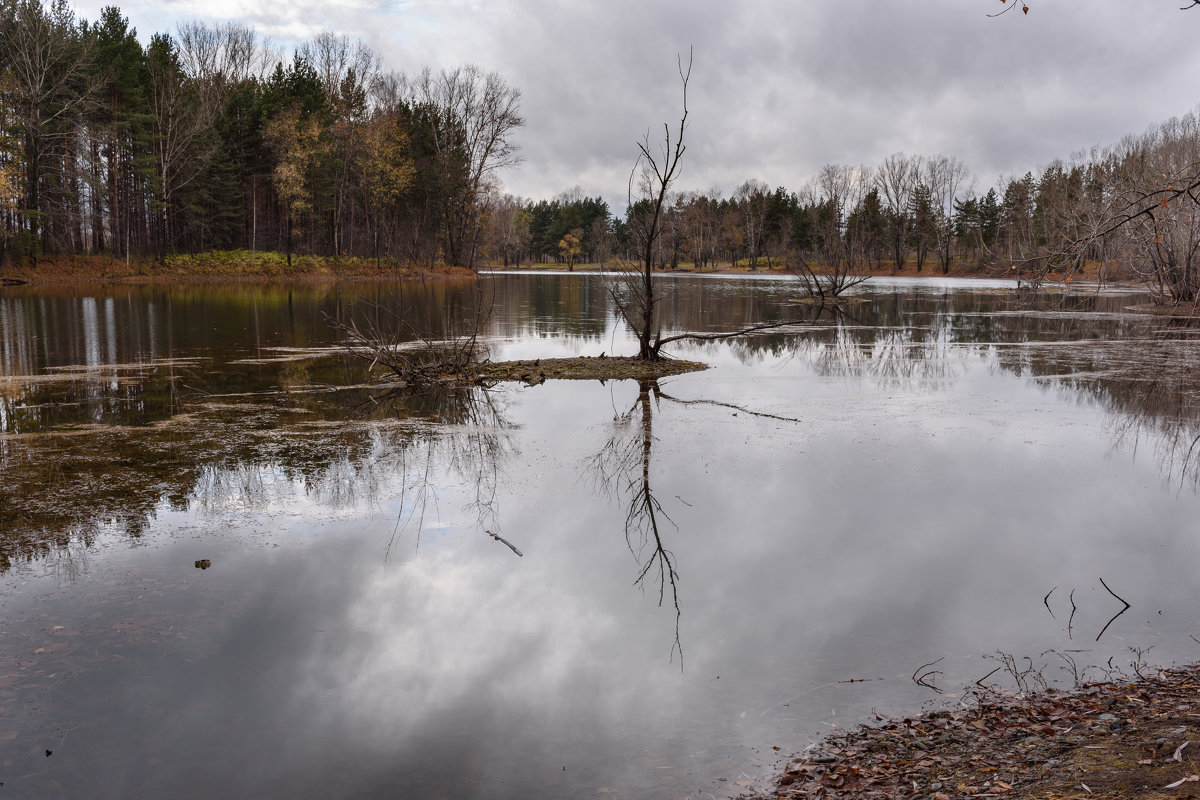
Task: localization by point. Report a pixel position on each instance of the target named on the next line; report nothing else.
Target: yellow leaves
(297, 144)
(9, 187)
(386, 164)
(570, 245)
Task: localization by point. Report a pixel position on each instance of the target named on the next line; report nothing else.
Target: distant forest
(210, 140)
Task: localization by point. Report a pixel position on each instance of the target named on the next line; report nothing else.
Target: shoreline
(243, 266)
(230, 267)
(1133, 738)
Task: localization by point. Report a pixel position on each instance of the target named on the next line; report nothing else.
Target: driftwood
(504, 541)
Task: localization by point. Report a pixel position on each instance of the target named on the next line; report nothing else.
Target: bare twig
(979, 682)
(734, 406)
(922, 678)
(1114, 594)
(1072, 618)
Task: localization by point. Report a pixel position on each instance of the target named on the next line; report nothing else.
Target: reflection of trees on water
(1151, 389)
(622, 468)
(903, 335)
(472, 447)
(1139, 369)
(61, 490)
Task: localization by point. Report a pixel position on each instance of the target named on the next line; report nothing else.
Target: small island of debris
(581, 368)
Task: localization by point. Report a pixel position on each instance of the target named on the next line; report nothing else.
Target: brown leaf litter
(1134, 739)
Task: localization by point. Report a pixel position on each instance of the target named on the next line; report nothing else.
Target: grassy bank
(219, 265)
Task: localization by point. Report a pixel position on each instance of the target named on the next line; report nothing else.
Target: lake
(233, 564)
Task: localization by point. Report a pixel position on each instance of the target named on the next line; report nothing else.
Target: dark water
(937, 472)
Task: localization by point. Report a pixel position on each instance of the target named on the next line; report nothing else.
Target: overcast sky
(778, 88)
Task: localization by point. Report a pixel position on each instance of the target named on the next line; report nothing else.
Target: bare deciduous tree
(947, 177)
(751, 199)
(835, 259)
(222, 55)
(183, 147)
(653, 173)
(896, 178)
(477, 114)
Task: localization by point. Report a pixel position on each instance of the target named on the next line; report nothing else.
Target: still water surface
(937, 472)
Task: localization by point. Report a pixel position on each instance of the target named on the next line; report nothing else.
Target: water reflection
(186, 363)
(901, 482)
(229, 453)
(622, 469)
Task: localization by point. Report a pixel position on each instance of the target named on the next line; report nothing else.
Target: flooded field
(233, 564)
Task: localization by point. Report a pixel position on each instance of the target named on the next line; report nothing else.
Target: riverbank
(1131, 739)
(223, 266)
(244, 265)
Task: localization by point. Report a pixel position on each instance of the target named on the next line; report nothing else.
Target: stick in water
(501, 539)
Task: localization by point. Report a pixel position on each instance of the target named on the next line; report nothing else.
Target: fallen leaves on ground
(1103, 740)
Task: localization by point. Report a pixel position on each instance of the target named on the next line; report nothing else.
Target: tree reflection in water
(472, 445)
(622, 469)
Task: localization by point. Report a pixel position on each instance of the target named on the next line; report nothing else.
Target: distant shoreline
(239, 266)
(244, 266)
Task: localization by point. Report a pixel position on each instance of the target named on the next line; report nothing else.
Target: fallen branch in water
(1119, 613)
(923, 678)
(1114, 594)
(504, 541)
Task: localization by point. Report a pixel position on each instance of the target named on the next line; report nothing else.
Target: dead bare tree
(947, 178)
(895, 179)
(388, 338)
(653, 173)
(632, 288)
(835, 258)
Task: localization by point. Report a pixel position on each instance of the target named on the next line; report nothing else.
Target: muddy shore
(1135, 738)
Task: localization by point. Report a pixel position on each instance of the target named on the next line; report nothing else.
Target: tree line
(211, 140)
(1130, 210)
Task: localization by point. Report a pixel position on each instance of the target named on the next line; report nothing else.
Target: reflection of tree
(1158, 404)
(1138, 368)
(472, 446)
(622, 469)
